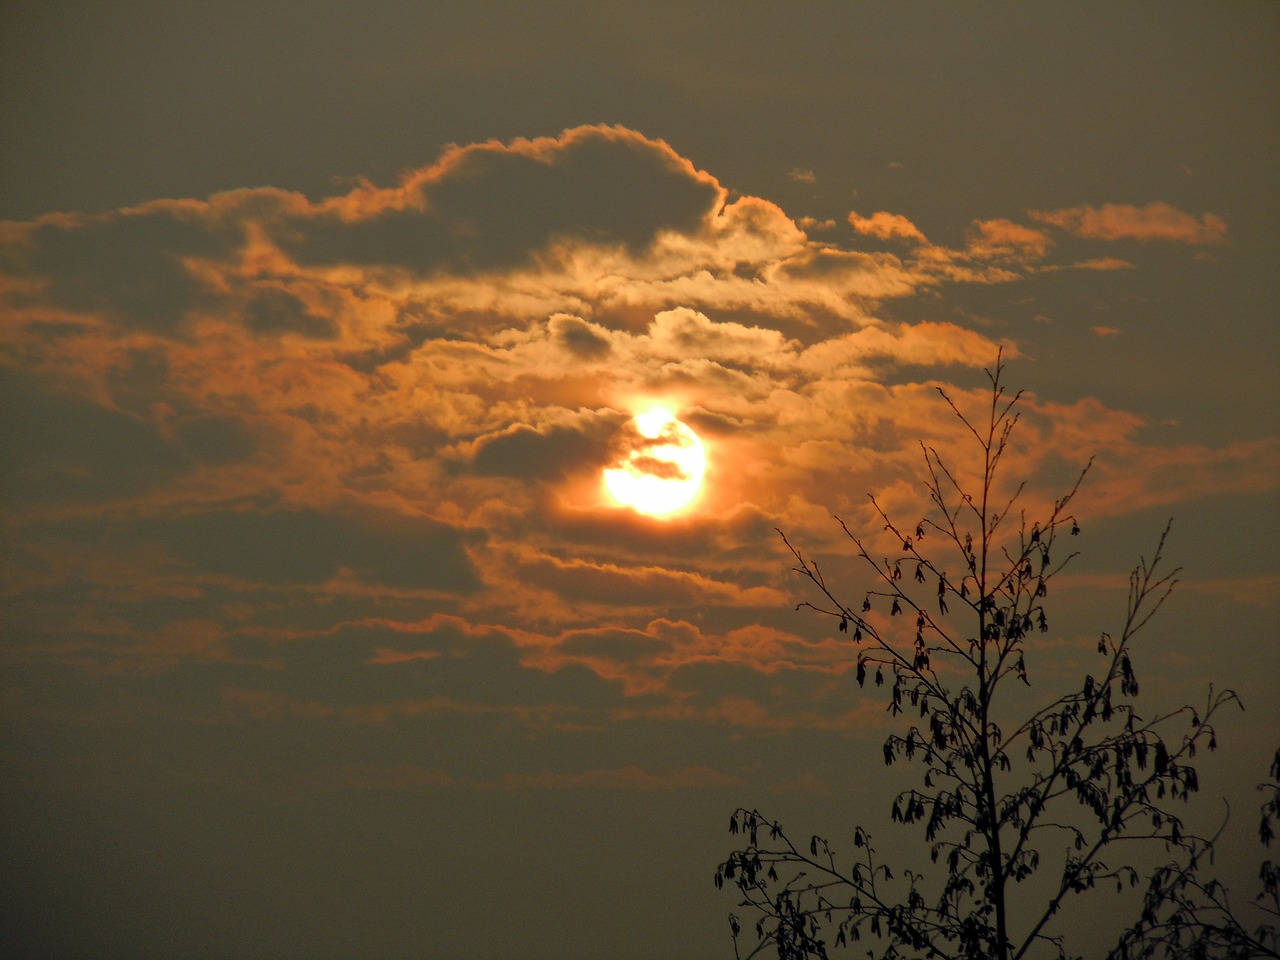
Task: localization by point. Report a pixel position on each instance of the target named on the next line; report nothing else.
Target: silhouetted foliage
(1187, 915)
(1021, 809)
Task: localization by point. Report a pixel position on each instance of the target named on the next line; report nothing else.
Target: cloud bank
(270, 433)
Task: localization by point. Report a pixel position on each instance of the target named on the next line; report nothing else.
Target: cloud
(613, 644)
(1131, 478)
(481, 240)
(681, 333)
(1119, 221)
(216, 438)
(886, 226)
(1004, 238)
(1093, 263)
(548, 451)
(639, 585)
(492, 205)
(579, 337)
(369, 429)
(276, 310)
(59, 445)
(131, 265)
(307, 546)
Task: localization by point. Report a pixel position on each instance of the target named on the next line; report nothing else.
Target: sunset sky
(322, 636)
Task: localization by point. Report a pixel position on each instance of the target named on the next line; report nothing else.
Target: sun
(662, 467)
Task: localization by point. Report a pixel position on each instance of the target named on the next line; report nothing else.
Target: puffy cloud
(683, 333)
(579, 337)
(493, 205)
(886, 226)
(1121, 221)
(271, 415)
(548, 451)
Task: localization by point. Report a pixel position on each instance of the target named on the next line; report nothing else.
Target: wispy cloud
(1120, 221)
(1004, 238)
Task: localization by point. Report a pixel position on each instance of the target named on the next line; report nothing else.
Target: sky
(320, 323)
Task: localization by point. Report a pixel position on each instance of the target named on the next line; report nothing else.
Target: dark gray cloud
(613, 644)
(579, 337)
(307, 546)
(273, 310)
(126, 266)
(139, 379)
(216, 438)
(61, 446)
(547, 452)
(491, 206)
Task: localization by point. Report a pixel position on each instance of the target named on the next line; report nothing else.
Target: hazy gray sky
(322, 637)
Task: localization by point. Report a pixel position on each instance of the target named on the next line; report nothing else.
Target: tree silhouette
(1022, 810)
(1190, 916)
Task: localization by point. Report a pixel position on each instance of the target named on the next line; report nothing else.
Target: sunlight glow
(662, 470)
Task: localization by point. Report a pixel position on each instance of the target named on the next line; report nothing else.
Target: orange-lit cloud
(886, 226)
(270, 415)
(1120, 221)
(1004, 238)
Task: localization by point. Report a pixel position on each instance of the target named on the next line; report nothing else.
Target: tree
(1021, 809)
(1191, 916)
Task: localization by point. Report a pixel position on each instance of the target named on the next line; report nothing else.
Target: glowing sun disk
(662, 470)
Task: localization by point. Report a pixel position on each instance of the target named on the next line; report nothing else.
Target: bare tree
(1022, 810)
